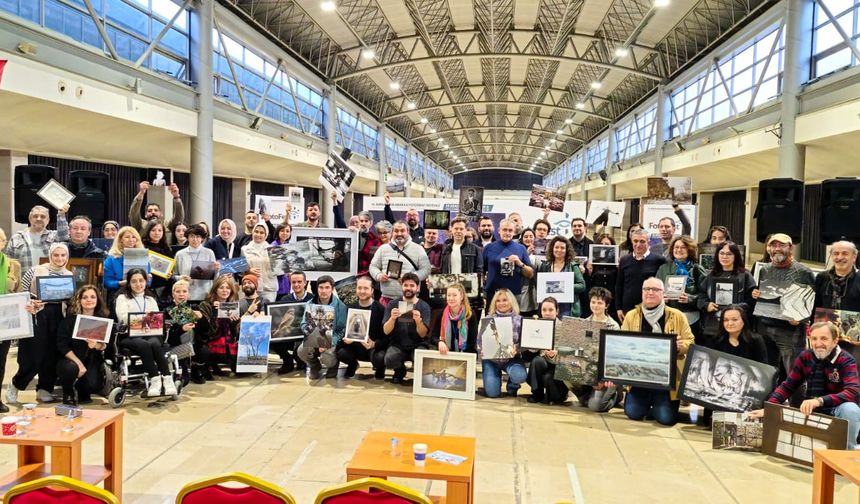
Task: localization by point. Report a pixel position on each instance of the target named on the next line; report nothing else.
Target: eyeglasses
(652, 289)
(726, 254)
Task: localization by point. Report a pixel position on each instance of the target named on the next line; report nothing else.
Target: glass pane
(833, 62)
(128, 17)
(166, 9)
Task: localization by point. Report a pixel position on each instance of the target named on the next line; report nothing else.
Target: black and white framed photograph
(357, 325)
(646, 360)
(55, 288)
(15, 322)
(393, 269)
(736, 431)
(450, 376)
(134, 258)
(89, 328)
(603, 255)
(537, 334)
(722, 381)
(436, 219)
(724, 292)
(161, 265)
(605, 213)
(674, 286)
(228, 309)
(496, 337)
(337, 175)
(471, 202)
(706, 261)
(439, 283)
(784, 300)
(324, 251)
(56, 194)
(286, 320)
(558, 285)
(145, 324)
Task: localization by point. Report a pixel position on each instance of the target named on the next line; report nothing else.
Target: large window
(395, 154)
(637, 134)
(356, 135)
(595, 155)
(131, 26)
(830, 51)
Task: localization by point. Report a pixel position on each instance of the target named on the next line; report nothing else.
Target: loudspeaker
(780, 208)
(603, 175)
(840, 207)
(28, 180)
(93, 195)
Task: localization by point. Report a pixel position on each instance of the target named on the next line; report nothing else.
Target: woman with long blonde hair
(504, 304)
(457, 329)
(126, 238)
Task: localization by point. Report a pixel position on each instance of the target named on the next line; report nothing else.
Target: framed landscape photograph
(724, 292)
(319, 252)
(784, 301)
(15, 322)
(357, 325)
(134, 258)
(436, 219)
(92, 328)
(161, 265)
(55, 194)
(722, 381)
(558, 285)
(674, 286)
(790, 435)
(638, 359)
(252, 355)
(603, 255)
(55, 288)
(450, 376)
(286, 320)
(578, 344)
(496, 337)
(537, 334)
(146, 324)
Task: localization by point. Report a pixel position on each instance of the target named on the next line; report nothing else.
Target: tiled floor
(301, 437)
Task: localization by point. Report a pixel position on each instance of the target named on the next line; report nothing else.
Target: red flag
(2, 65)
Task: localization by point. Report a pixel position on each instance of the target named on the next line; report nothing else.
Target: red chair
(44, 491)
(370, 491)
(211, 491)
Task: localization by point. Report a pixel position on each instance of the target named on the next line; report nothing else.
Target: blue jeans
(850, 412)
(492, 376)
(640, 401)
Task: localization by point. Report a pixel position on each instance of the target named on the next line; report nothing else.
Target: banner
(276, 207)
(651, 215)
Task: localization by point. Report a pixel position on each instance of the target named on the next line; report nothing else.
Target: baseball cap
(780, 237)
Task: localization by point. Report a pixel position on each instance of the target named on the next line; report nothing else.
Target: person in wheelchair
(217, 338)
(133, 298)
(80, 369)
(180, 334)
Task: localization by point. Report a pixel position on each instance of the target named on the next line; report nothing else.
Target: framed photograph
(161, 265)
(320, 319)
(227, 310)
(92, 329)
(605, 213)
(55, 288)
(496, 337)
(252, 354)
(233, 266)
(669, 190)
(84, 271)
(546, 197)
(638, 359)
(320, 252)
(721, 381)
(578, 344)
(134, 258)
(436, 219)
(537, 334)
(603, 255)
(736, 431)
(471, 202)
(674, 286)
(203, 270)
(652, 214)
(199, 289)
(286, 321)
(790, 435)
(393, 268)
(55, 194)
(274, 206)
(15, 322)
(450, 376)
(344, 289)
(849, 321)
(405, 307)
(280, 259)
(724, 292)
(784, 301)
(558, 285)
(578, 260)
(337, 175)
(357, 325)
(707, 261)
(146, 324)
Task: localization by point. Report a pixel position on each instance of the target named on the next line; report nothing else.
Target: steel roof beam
(498, 102)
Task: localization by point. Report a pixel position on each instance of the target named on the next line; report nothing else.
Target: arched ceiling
(519, 84)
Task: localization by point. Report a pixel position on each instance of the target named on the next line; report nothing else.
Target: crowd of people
(507, 258)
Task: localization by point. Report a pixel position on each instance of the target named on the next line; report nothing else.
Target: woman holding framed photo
(155, 240)
(560, 259)
(216, 340)
(282, 236)
(602, 275)
(257, 253)
(683, 255)
(126, 238)
(545, 388)
(80, 370)
(457, 329)
(504, 304)
(728, 283)
(10, 278)
(133, 298)
(527, 297)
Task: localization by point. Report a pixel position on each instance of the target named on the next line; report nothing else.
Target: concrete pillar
(661, 117)
(705, 204)
(610, 157)
(383, 161)
(8, 161)
(798, 19)
(348, 206)
(201, 190)
(753, 247)
(241, 201)
(408, 171)
(583, 176)
(325, 195)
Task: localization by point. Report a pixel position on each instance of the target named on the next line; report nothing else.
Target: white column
(661, 119)
(201, 191)
(383, 161)
(325, 194)
(798, 16)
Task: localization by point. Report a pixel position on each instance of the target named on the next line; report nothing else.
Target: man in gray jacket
(398, 257)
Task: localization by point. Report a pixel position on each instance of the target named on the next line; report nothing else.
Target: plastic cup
(419, 450)
(9, 425)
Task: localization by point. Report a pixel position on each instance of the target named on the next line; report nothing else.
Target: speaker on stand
(92, 195)
(28, 180)
(840, 210)
(780, 208)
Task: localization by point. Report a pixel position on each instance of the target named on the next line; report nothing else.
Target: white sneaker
(169, 386)
(44, 396)
(11, 394)
(154, 389)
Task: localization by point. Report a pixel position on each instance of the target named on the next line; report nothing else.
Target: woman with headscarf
(10, 277)
(110, 229)
(38, 355)
(257, 253)
(225, 245)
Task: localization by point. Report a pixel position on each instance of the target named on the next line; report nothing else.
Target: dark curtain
(811, 248)
(633, 218)
(222, 200)
(265, 189)
(357, 203)
(498, 179)
(728, 209)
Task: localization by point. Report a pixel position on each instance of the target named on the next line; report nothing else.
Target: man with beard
(368, 242)
(410, 255)
(830, 375)
(785, 336)
(250, 302)
(312, 213)
(153, 210)
(407, 331)
(667, 228)
(315, 355)
(29, 245)
(433, 249)
(487, 231)
(412, 220)
(299, 293)
(461, 255)
(373, 351)
(578, 239)
(80, 245)
(838, 287)
(633, 270)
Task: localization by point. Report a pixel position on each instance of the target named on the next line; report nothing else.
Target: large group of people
(507, 259)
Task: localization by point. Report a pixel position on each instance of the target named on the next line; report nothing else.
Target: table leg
(66, 460)
(458, 493)
(113, 457)
(822, 482)
(28, 454)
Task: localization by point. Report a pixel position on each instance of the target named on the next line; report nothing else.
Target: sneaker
(286, 367)
(4, 408)
(350, 371)
(43, 396)
(11, 394)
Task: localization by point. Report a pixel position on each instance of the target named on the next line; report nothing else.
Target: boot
(69, 399)
(197, 375)
(169, 386)
(154, 389)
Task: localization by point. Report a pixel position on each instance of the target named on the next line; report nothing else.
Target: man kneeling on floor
(407, 324)
(322, 336)
(830, 374)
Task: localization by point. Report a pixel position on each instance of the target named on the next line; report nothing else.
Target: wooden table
(66, 449)
(373, 458)
(826, 465)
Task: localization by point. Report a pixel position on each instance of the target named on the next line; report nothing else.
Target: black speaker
(780, 208)
(603, 175)
(92, 195)
(840, 208)
(28, 180)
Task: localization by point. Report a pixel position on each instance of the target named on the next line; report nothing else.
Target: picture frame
(393, 269)
(15, 322)
(577, 342)
(357, 325)
(724, 382)
(85, 271)
(203, 270)
(252, 355)
(161, 265)
(471, 202)
(90, 328)
(337, 175)
(320, 318)
(724, 292)
(736, 431)
(558, 285)
(669, 190)
(674, 286)
(790, 435)
(144, 324)
(546, 197)
(496, 338)
(449, 376)
(603, 255)
(437, 219)
(323, 251)
(706, 261)
(605, 213)
(784, 300)
(228, 309)
(55, 288)
(233, 266)
(133, 258)
(537, 334)
(622, 354)
(439, 284)
(55, 194)
(286, 321)
(848, 321)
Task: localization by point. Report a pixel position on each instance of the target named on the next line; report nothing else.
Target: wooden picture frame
(646, 360)
(791, 435)
(86, 271)
(450, 376)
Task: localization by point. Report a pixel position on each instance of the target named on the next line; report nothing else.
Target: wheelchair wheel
(108, 385)
(116, 398)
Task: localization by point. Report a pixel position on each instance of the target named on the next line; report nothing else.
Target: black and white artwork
(56, 194)
(439, 284)
(724, 292)
(537, 334)
(790, 435)
(496, 336)
(674, 286)
(605, 213)
(357, 325)
(644, 360)
(436, 219)
(393, 269)
(55, 288)
(784, 300)
(320, 252)
(707, 261)
(736, 431)
(15, 322)
(577, 342)
(471, 202)
(199, 289)
(286, 320)
(337, 175)
(603, 255)
(722, 381)
(561, 286)
(134, 258)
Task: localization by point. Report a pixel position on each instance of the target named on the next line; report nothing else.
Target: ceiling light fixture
(580, 105)
(328, 6)
(424, 120)
(622, 52)
(559, 132)
(368, 54)
(661, 3)
(410, 105)
(596, 85)
(394, 85)
(569, 120)
(433, 130)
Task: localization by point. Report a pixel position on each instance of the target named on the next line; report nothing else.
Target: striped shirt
(840, 384)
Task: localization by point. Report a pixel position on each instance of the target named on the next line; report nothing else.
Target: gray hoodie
(390, 252)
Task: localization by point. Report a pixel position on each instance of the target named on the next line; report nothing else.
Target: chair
(211, 491)
(40, 492)
(370, 491)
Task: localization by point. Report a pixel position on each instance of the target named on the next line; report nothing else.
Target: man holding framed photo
(406, 331)
(402, 249)
(506, 262)
(653, 316)
(32, 244)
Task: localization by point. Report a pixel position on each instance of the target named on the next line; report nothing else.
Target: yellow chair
(39, 491)
(358, 491)
(211, 491)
